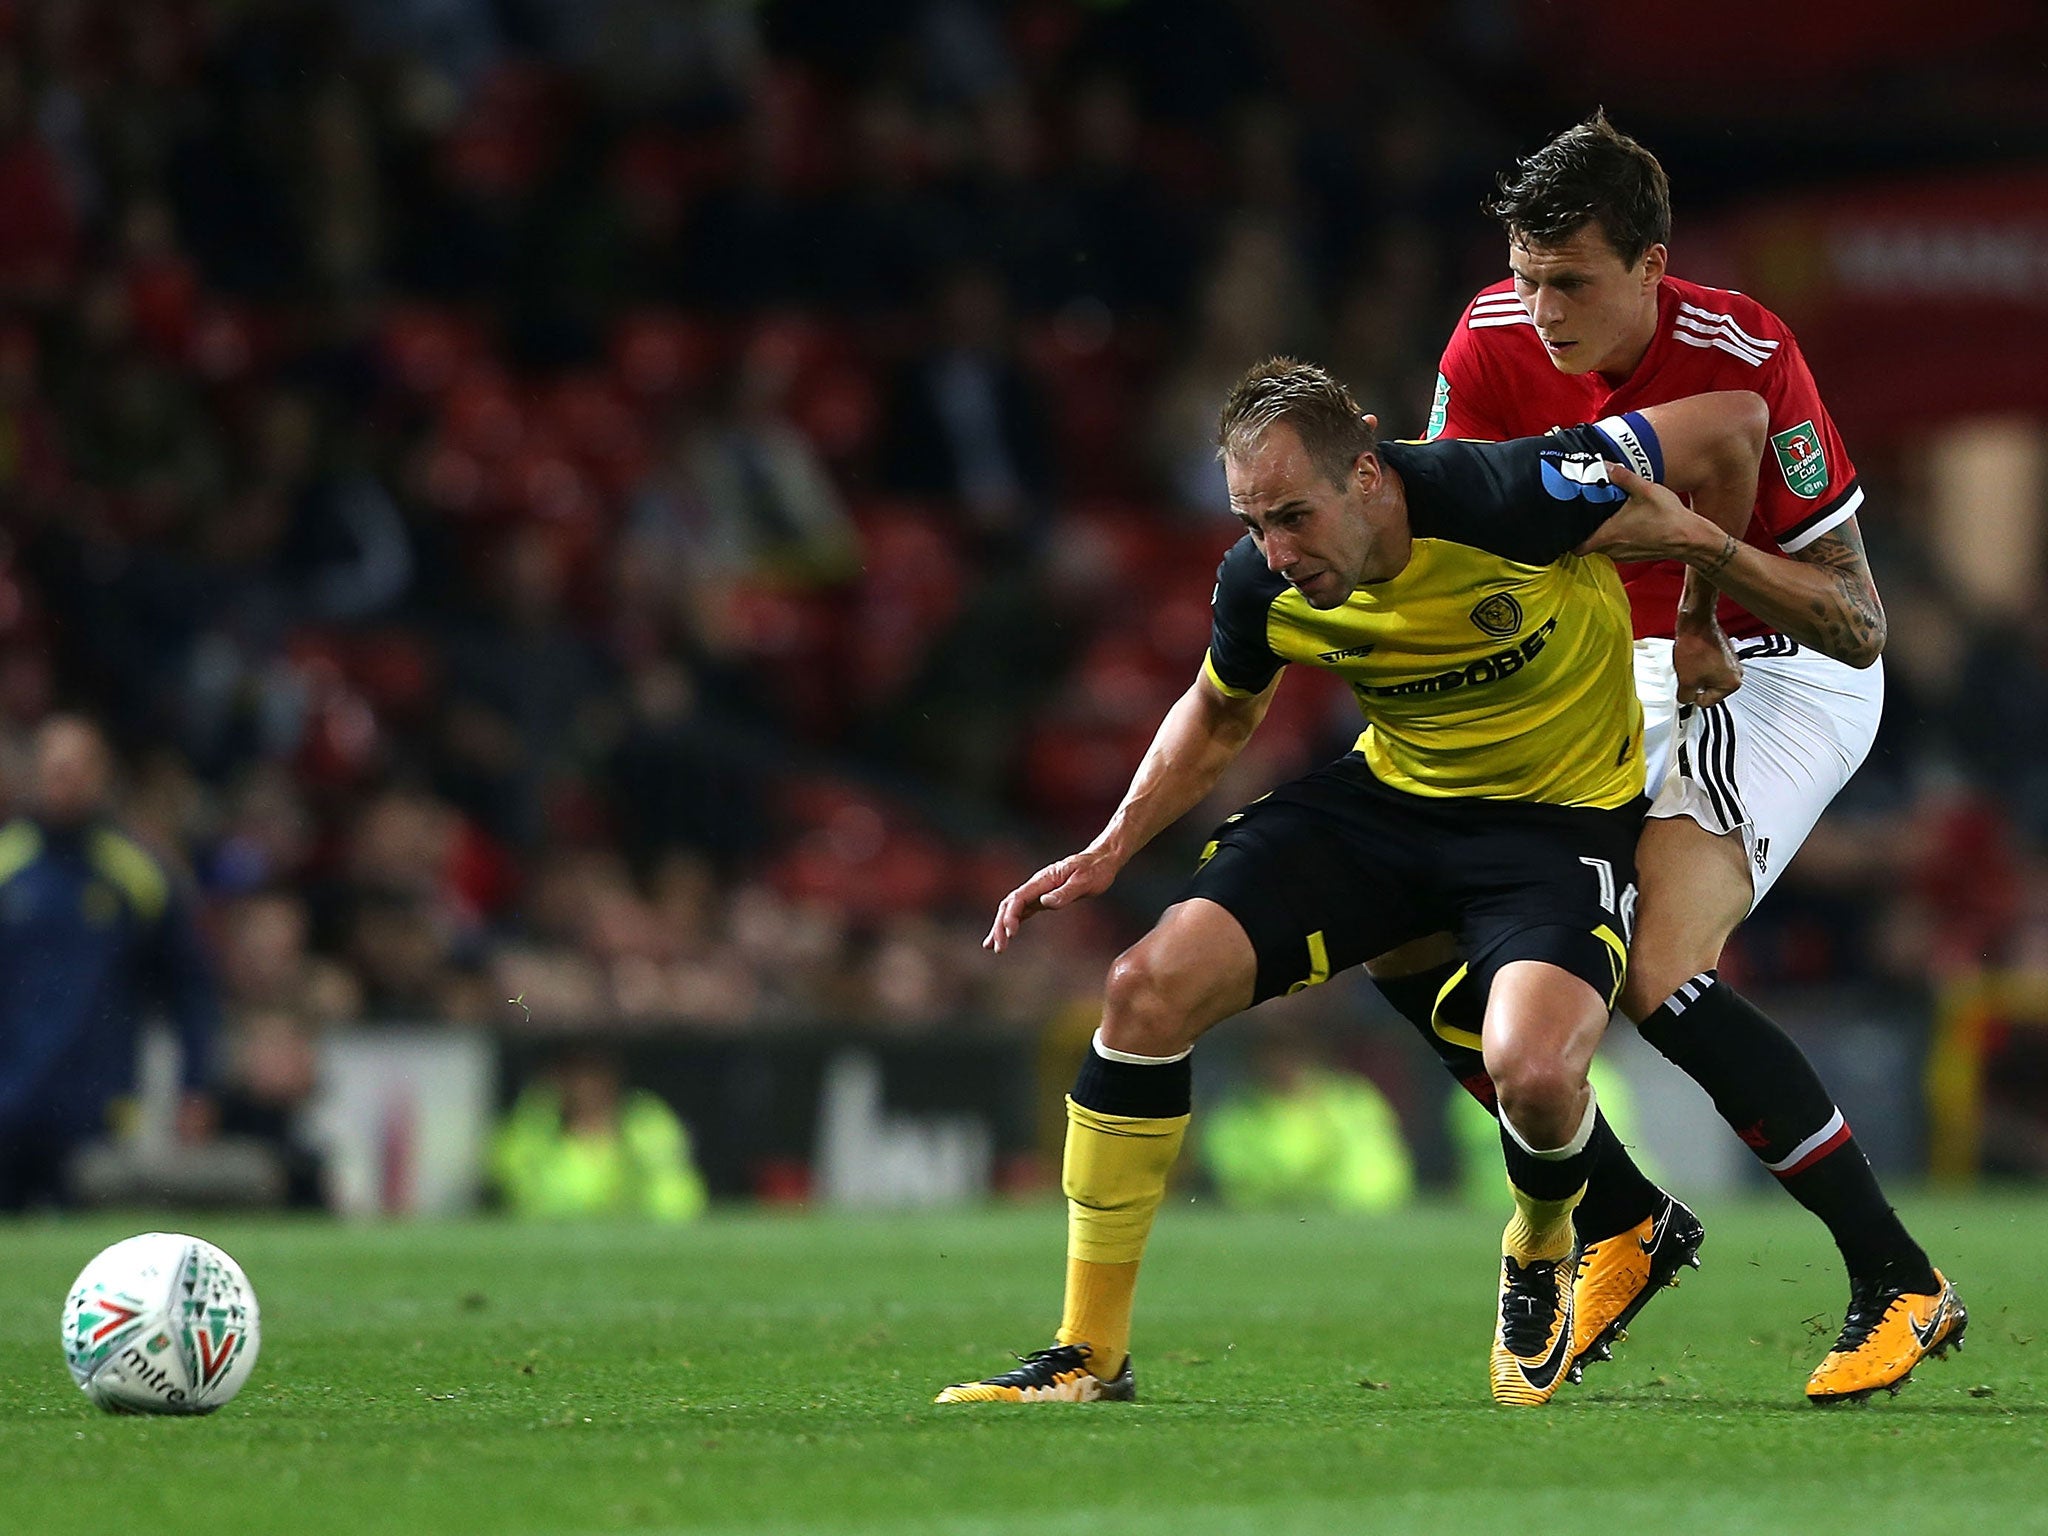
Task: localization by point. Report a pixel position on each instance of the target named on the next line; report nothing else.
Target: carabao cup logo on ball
(1579, 477)
(161, 1323)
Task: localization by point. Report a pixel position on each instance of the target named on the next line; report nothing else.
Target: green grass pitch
(774, 1373)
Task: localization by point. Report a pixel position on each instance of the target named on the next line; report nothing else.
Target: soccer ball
(160, 1323)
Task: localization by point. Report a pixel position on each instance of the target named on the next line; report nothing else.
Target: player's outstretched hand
(1653, 524)
(1074, 878)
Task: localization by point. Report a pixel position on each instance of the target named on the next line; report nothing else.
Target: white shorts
(1767, 760)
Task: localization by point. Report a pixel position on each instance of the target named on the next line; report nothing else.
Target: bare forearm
(1713, 445)
(1697, 601)
(1824, 599)
(1199, 738)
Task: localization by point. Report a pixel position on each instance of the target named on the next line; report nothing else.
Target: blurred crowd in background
(578, 512)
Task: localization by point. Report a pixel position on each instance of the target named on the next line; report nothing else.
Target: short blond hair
(1324, 416)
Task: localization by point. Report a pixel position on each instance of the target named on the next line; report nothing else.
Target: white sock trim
(1131, 1057)
(1571, 1148)
(1688, 993)
(1818, 1138)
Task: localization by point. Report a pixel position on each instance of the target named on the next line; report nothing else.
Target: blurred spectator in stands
(578, 1143)
(2004, 680)
(911, 982)
(459, 39)
(421, 882)
(33, 472)
(272, 1070)
(265, 836)
(341, 202)
(1254, 301)
(802, 952)
(966, 425)
(332, 541)
(232, 170)
(1304, 1133)
(404, 955)
(746, 496)
(1008, 215)
(1133, 250)
(1380, 341)
(521, 679)
(265, 963)
(39, 238)
(140, 433)
(706, 979)
(886, 223)
(673, 782)
(686, 61)
(756, 240)
(94, 934)
(305, 539)
(592, 947)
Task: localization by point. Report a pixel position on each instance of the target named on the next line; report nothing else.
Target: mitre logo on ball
(161, 1323)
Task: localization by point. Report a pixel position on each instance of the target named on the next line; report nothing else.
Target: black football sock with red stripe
(1619, 1195)
(1766, 1089)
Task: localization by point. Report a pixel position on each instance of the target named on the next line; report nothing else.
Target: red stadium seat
(227, 341)
(657, 353)
(912, 583)
(592, 418)
(485, 414)
(427, 349)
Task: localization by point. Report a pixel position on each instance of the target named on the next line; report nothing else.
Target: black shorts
(1335, 868)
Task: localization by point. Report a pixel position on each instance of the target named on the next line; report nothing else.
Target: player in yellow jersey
(1497, 792)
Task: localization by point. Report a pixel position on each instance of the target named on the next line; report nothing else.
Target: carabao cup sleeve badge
(1802, 460)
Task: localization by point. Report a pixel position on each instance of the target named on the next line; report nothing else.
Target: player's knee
(1543, 1096)
(1141, 1010)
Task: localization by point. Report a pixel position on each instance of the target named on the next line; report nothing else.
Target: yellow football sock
(1098, 1311)
(1540, 1229)
(1115, 1177)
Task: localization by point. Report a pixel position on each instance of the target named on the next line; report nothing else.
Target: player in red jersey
(1758, 708)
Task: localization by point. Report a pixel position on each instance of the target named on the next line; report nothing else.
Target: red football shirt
(1497, 382)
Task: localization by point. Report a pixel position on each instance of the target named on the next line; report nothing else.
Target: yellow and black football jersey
(1496, 664)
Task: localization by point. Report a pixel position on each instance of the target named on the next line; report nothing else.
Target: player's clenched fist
(1074, 878)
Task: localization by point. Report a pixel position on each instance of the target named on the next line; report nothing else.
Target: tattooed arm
(1823, 596)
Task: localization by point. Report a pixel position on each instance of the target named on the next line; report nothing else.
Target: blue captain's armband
(1634, 442)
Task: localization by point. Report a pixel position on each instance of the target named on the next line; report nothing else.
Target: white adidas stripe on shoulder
(1696, 334)
(1687, 323)
(1733, 334)
(1481, 322)
(1723, 343)
(1728, 323)
(1728, 338)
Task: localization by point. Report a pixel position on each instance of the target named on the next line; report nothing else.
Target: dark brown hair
(1592, 173)
(1320, 409)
